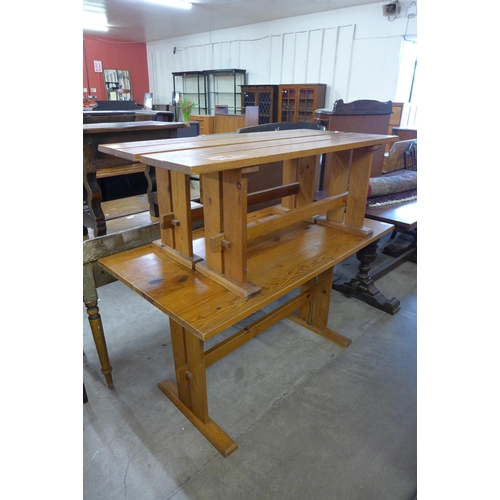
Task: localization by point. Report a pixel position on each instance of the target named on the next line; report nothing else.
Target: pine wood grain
(132, 151)
(240, 154)
(278, 264)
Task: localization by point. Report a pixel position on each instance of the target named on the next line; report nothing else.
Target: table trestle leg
(190, 392)
(352, 172)
(307, 176)
(176, 218)
(232, 241)
(314, 316)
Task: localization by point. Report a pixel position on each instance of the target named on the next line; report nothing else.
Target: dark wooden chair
(266, 127)
(364, 115)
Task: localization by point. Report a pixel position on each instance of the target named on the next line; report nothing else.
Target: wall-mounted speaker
(391, 9)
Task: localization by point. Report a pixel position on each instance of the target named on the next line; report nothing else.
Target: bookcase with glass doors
(297, 102)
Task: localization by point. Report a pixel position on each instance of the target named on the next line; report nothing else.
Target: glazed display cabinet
(224, 89)
(192, 85)
(297, 102)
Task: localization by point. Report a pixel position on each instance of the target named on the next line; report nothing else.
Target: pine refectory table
(210, 279)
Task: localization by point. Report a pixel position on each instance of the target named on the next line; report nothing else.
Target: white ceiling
(140, 21)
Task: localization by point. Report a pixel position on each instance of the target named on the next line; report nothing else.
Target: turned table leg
(90, 300)
(99, 340)
(363, 286)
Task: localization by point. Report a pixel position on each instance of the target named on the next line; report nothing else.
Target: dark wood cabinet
(263, 96)
(297, 102)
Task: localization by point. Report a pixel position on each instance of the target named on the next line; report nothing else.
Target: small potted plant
(186, 106)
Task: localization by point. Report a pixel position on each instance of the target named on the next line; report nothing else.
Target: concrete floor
(312, 420)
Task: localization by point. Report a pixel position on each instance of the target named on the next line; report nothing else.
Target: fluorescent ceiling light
(95, 27)
(179, 4)
(96, 21)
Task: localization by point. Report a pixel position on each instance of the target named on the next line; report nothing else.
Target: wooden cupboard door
(265, 98)
(297, 103)
(287, 107)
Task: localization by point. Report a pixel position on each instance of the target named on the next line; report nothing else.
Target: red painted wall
(115, 54)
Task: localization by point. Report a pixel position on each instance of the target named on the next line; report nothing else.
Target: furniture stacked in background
(124, 111)
(405, 133)
(395, 119)
(223, 121)
(112, 105)
(392, 191)
(286, 102)
(208, 89)
(276, 103)
(110, 116)
(134, 187)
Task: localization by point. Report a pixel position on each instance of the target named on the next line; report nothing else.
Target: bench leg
(362, 286)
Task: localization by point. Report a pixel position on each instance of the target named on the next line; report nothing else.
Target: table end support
(365, 232)
(186, 261)
(326, 333)
(212, 432)
(246, 290)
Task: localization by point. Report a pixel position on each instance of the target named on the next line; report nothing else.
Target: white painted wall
(355, 51)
